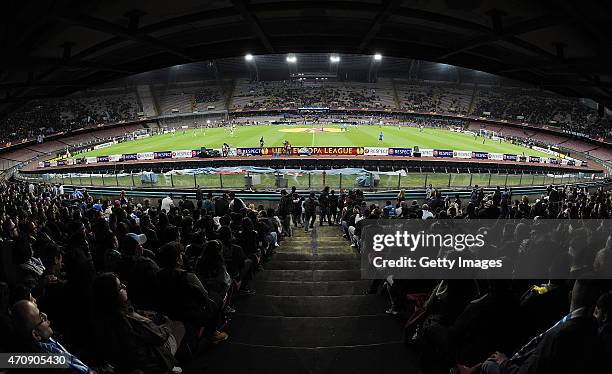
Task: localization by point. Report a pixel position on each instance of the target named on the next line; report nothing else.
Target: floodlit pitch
(302, 136)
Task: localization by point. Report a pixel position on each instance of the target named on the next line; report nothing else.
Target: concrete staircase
(310, 315)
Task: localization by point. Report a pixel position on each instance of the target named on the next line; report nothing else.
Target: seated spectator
(239, 265)
(138, 271)
(212, 272)
(570, 346)
(35, 335)
(603, 315)
(6, 328)
(182, 296)
(130, 340)
(426, 214)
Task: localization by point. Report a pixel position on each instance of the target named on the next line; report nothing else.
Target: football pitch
(306, 136)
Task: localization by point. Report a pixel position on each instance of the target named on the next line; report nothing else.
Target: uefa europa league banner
(324, 151)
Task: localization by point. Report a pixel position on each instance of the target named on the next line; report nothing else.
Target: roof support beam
(30, 83)
(390, 7)
(34, 61)
(250, 18)
(508, 33)
(100, 25)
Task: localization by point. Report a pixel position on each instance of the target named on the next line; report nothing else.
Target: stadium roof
(52, 48)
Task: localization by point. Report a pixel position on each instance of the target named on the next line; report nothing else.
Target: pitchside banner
(406, 152)
(427, 152)
(375, 151)
(352, 151)
(458, 249)
(480, 155)
(248, 151)
(145, 156)
(462, 154)
(130, 156)
(534, 158)
(160, 155)
(340, 151)
(269, 151)
(182, 154)
(447, 153)
(103, 159)
(509, 157)
(115, 158)
(496, 156)
(91, 160)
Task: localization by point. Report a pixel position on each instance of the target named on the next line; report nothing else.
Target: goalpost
(493, 135)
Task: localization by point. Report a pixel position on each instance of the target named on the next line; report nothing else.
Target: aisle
(310, 316)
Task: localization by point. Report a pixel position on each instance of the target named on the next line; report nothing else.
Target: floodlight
(248, 57)
(334, 59)
(377, 57)
(291, 59)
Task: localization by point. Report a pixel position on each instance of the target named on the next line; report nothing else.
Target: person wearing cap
(137, 270)
(426, 213)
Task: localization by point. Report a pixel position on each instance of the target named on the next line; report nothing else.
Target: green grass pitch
(274, 135)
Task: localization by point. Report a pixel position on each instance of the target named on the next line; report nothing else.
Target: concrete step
(314, 331)
(309, 275)
(296, 288)
(238, 358)
(309, 256)
(312, 306)
(349, 264)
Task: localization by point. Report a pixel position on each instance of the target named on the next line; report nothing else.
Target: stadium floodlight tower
(252, 65)
(334, 62)
(374, 65)
(292, 64)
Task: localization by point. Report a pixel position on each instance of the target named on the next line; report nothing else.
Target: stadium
(252, 186)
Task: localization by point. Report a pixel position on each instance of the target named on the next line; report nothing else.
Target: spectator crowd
(512, 325)
(44, 117)
(120, 286)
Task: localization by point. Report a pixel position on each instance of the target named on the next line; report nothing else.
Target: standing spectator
(296, 210)
(401, 196)
(222, 205)
(209, 204)
(236, 204)
(167, 203)
(310, 211)
(285, 207)
(186, 204)
(333, 207)
(324, 206)
(198, 194)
